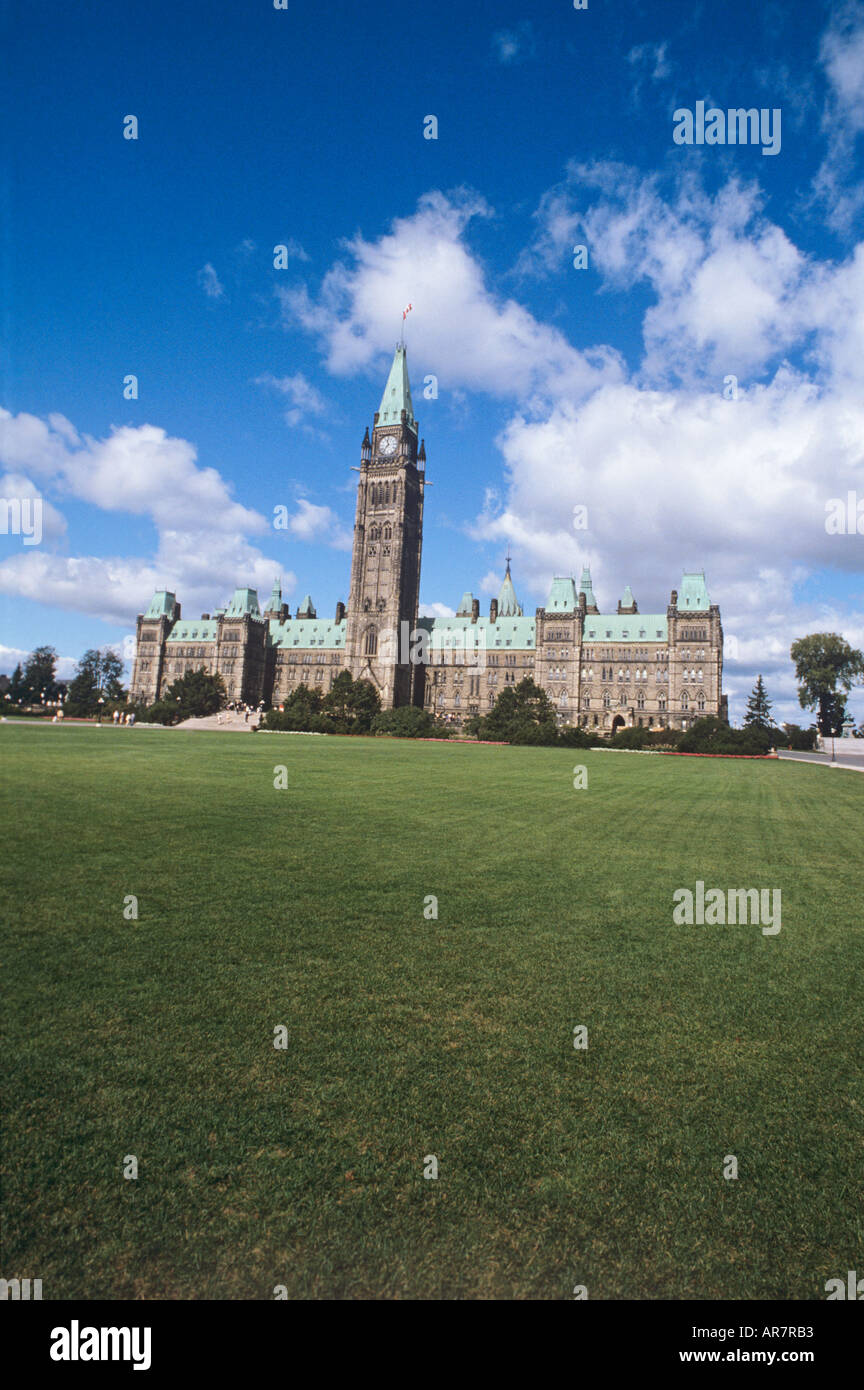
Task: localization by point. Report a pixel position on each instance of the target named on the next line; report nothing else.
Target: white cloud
(469, 335)
(305, 398)
(841, 55)
(514, 45)
(319, 524)
(435, 610)
(210, 282)
(294, 250)
(53, 523)
(203, 532)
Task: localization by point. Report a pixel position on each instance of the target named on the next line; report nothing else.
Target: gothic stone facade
(601, 671)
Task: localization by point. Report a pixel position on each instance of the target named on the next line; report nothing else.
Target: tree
(354, 704)
(800, 740)
(758, 714)
(39, 671)
(826, 668)
(98, 674)
(522, 713)
(17, 688)
(340, 697)
(196, 693)
(110, 671)
(304, 698)
(83, 694)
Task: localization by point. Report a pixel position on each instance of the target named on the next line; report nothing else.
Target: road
(842, 759)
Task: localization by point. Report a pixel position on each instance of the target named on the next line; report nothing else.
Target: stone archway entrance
(618, 723)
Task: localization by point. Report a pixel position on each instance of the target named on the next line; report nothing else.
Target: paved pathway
(853, 760)
(226, 721)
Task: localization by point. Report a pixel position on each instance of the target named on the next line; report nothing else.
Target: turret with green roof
(586, 589)
(508, 604)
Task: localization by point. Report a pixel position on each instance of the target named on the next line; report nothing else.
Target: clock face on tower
(387, 446)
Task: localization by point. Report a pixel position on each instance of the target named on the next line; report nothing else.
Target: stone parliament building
(601, 671)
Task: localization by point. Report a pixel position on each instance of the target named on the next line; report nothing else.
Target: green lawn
(409, 1037)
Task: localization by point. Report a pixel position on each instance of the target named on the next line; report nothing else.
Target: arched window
(661, 702)
(607, 699)
(371, 644)
(388, 532)
(367, 604)
(685, 700)
(640, 700)
(700, 701)
(457, 700)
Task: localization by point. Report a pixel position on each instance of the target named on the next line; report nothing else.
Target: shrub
(526, 731)
(163, 712)
(572, 737)
(711, 735)
(800, 740)
(630, 738)
(409, 721)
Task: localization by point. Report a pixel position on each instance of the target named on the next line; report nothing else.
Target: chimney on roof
(340, 612)
(475, 609)
(205, 617)
(493, 611)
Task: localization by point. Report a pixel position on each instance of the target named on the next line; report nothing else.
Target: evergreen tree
(196, 693)
(17, 688)
(354, 703)
(39, 671)
(758, 714)
(522, 713)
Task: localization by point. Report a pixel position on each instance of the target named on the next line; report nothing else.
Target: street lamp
(101, 702)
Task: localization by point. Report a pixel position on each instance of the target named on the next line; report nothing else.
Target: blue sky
(556, 386)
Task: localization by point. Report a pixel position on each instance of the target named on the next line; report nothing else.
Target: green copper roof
(625, 627)
(307, 608)
(306, 633)
(397, 394)
(464, 609)
(517, 633)
(508, 604)
(275, 601)
(627, 599)
(204, 630)
(586, 589)
(694, 593)
(161, 604)
(562, 597)
(243, 601)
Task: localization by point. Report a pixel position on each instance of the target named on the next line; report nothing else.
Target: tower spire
(397, 393)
